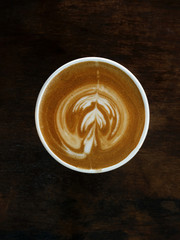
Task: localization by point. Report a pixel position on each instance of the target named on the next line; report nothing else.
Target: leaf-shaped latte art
(91, 117)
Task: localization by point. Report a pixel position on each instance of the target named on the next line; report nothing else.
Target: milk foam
(100, 120)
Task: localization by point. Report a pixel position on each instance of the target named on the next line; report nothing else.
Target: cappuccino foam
(92, 115)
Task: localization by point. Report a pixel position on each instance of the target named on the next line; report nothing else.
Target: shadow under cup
(92, 115)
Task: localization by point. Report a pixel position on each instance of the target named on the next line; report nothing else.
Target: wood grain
(39, 198)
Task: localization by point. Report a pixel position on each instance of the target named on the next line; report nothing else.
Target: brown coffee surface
(92, 115)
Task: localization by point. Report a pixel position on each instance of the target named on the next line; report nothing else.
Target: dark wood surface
(39, 198)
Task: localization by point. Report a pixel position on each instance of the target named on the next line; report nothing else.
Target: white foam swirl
(99, 118)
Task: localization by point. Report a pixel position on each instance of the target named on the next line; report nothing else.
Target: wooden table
(39, 198)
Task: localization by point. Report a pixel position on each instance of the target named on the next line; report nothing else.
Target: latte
(91, 115)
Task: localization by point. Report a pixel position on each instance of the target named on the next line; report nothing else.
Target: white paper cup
(146, 106)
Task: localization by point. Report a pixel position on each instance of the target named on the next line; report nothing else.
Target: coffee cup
(92, 115)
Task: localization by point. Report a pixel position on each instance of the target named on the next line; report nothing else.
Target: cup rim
(144, 98)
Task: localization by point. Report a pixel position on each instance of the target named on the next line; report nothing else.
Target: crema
(92, 115)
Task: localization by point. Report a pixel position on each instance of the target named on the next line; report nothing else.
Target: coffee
(92, 115)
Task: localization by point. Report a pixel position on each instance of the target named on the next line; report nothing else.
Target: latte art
(99, 119)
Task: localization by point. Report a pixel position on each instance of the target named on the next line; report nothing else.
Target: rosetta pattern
(99, 120)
